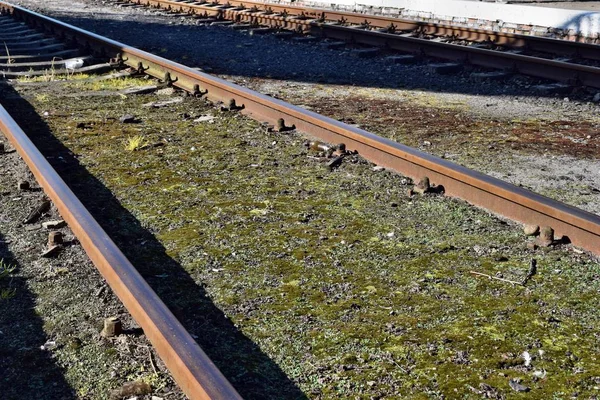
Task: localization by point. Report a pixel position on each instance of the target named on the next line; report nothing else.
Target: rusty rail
(334, 24)
(195, 373)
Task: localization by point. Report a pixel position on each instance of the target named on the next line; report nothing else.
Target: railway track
(572, 63)
(47, 39)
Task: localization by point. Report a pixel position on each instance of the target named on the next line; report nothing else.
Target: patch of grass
(135, 143)
(41, 97)
(5, 271)
(49, 76)
(350, 296)
(111, 84)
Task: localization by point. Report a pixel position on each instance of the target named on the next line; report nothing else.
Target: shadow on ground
(26, 371)
(250, 371)
(222, 50)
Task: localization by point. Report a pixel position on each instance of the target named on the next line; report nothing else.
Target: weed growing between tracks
(6, 291)
(351, 287)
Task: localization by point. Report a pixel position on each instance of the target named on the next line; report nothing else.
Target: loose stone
(131, 389)
(517, 386)
(423, 186)
(546, 237)
(127, 119)
(531, 230)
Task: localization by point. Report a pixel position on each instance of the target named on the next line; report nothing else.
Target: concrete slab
(224, 23)
(401, 59)
(240, 26)
(260, 31)
(492, 76)
(304, 39)
(366, 53)
(284, 34)
(552, 88)
(334, 45)
(445, 68)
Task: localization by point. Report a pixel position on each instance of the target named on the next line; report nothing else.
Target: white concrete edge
(585, 22)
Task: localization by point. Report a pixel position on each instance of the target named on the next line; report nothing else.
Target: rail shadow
(222, 50)
(26, 371)
(250, 371)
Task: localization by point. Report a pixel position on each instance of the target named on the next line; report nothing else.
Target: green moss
(353, 298)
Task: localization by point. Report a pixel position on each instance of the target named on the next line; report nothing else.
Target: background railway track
(182, 77)
(565, 61)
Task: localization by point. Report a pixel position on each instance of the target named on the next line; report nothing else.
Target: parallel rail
(390, 33)
(381, 22)
(191, 368)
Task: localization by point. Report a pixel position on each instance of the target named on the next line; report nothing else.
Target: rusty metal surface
(195, 373)
(582, 228)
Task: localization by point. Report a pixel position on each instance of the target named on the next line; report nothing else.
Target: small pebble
(127, 119)
(517, 386)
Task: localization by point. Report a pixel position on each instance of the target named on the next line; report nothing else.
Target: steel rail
(191, 368)
(561, 71)
(581, 227)
(560, 47)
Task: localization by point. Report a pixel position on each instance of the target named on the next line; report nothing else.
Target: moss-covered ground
(353, 288)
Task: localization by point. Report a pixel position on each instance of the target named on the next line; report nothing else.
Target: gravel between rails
(520, 123)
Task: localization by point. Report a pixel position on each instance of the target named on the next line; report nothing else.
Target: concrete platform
(585, 21)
